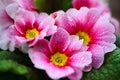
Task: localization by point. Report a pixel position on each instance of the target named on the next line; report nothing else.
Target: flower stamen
(85, 36)
(31, 33)
(59, 59)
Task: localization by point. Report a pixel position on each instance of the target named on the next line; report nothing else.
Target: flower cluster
(78, 38)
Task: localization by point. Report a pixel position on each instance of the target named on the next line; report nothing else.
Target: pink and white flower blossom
(29, 29)
(8, 10)
(61, 57)
(101, 6)
(94, 28)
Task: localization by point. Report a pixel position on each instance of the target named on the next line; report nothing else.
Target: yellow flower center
(59, 59)
(31, 33)
(85, 36)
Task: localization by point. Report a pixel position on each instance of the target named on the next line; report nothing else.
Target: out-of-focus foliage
(17, 66)
(50, 6)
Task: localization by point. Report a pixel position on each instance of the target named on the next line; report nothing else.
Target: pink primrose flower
(8, 11)
(61, 57)
(95, 29)
(101, 6)
(29, 28)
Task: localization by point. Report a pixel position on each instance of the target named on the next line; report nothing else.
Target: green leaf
(66, 4)
(117, 40)
(15, 69)
(16, 64)
(51, 6)
(16, 56)
(7, 55)
(10, 65)
(43, 5)
(110, 70)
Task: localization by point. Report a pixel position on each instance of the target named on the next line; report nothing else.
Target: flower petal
(74, 45)
(52, 29)
(91, 18)
(46, 22)
(102, 28)
(5, 42)
(108, 47)
(40, 60)
(56, 14)
(27, 16)
(56, 72)
(80, 3)
(20, 25)
(59, 41)
(82, 18)
(110, 38)
(19, 40)
(12, 9)
(5, 20)
(81, 59)
(88, 68)
(41, 17)
(116, 24)
(97, 55)
(27, 4)
(67, 23)
(73, 13)
(77, 75)
(41, 46)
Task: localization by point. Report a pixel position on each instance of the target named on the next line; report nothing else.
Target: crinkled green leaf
(51, 6)
(118, 40)
(110, 70)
